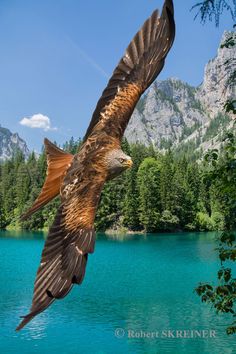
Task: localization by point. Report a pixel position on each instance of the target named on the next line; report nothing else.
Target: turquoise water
(139, 285)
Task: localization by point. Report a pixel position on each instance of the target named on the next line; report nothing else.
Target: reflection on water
(144, 283)
(23, 234)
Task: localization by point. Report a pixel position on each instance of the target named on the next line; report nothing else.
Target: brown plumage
(80, 178)
(58, 162)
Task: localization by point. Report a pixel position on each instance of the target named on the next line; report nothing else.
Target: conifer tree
(148, 179)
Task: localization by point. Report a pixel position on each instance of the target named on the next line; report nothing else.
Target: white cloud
(38, 121)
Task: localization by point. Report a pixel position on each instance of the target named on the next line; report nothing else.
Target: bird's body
(79, 179)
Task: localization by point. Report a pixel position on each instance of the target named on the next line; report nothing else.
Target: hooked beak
(128, 163)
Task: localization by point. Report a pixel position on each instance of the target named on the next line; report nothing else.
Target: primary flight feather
(79, 179)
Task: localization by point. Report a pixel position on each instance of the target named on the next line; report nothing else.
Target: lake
(137, 294)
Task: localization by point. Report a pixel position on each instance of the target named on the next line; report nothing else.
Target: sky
(57, 56)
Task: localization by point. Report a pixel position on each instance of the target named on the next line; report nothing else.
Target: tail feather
(58, 162)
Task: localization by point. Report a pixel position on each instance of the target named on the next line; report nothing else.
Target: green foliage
(229, 43)
(168, 221)
(148, 179)
(131, 199)
(204, 222)
(165, 144)
(109, 213)
(222, 174)
(217, 124)
(3, 222)
(20, 185)
(189, 130)
(72, 145)
(218, 221)
(230, 106)
(212, 10)
(162, 192)
(189, 150)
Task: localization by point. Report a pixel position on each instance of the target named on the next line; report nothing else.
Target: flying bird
(79, 179)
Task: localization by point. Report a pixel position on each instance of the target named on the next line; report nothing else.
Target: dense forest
(162, 192)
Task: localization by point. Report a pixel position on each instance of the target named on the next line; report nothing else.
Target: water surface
(133, 286)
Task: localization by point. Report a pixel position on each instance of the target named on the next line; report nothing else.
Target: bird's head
(117, 162)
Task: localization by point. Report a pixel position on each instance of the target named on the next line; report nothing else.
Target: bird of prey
(79, 179)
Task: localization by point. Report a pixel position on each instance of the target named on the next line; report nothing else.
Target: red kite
(79, 179)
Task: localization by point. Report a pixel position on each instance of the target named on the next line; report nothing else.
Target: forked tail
(58, 162)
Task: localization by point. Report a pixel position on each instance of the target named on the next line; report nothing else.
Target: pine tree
(8, 190)
(148, 179)
(131, 203)
(3, 221)
(166, 182)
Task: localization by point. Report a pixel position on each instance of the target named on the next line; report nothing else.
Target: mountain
(173, 113)
(10, 143)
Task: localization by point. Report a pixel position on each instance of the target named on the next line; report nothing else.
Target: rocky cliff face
(173, 112)
(10, 143)
(169, 112)
(215, 90)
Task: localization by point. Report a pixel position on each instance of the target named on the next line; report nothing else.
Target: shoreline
(113, 232)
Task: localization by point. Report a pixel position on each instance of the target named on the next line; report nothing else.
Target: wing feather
(142, 62)
(66, 249)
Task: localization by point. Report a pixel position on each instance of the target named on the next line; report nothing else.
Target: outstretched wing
(69, 241)
(142, 62)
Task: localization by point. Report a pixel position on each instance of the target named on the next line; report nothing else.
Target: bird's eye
(121, 160)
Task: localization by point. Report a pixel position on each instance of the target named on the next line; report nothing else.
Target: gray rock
(173, 111)
(10, 143)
